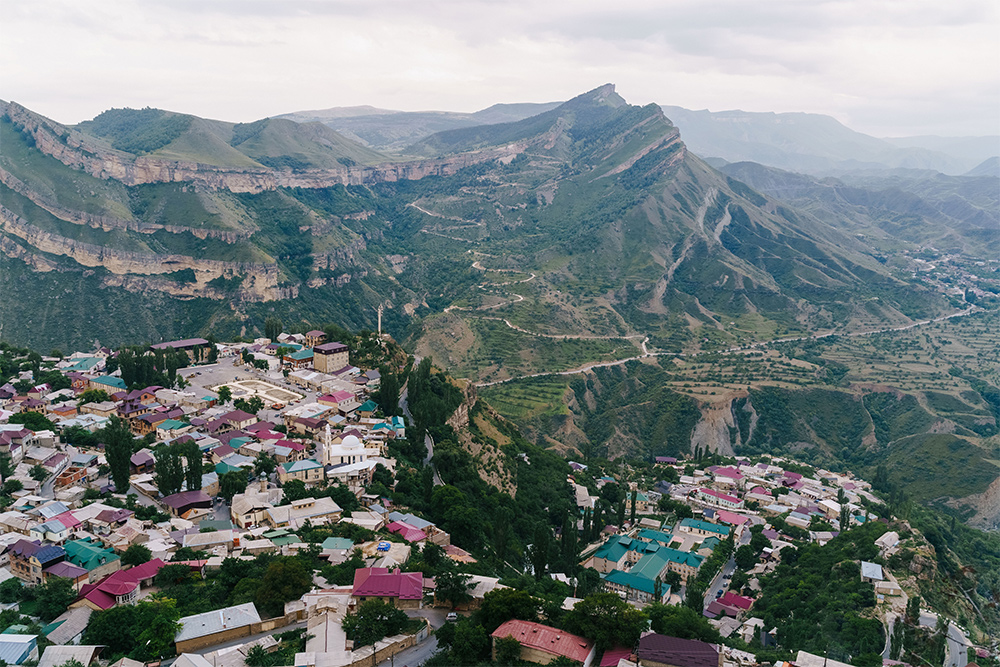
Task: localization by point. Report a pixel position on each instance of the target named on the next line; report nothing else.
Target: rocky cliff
(82, 152)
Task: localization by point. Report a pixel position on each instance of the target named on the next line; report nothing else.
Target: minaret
(380, 320)
(325, 459)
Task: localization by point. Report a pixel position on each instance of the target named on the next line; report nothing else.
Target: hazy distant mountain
(818, 144)
(390, 130)
(988, 167)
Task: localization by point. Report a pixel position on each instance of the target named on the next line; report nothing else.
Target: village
(272, 442)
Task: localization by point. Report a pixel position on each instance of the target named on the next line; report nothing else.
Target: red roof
(732, 518)
(720, 495)
(613, 655)
(120, 583)
(380, 582)
(733, 600)
(731, 473)
(546, 639)
(408, 532)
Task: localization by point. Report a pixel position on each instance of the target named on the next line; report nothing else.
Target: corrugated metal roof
(211, 622)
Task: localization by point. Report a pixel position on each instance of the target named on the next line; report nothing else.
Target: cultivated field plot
(270, 393)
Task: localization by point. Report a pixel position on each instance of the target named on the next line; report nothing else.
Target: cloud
(886, 67)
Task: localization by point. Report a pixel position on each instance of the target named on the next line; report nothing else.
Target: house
(250, 508)
(888, 542)
(54, 656)
(314, 338)
(216, 627)
(307, 470)
(636, 588)
(299, 359)
(66, 570)
(238, 419)
(29, 559)
(192, 346)
(330, 357)
(17, 649)
(699, 527)
(405, 590)
(662, 651)
(97, 561)
(316, 511)
(719, 499)
(871, 572)
(542, 644)
(121, 587)
(181, 503)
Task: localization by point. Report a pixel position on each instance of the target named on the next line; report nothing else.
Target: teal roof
(109, 381)
(337, 543)
(655, 536)
(705, 525)
(635, 582)
(616, 547)
(710, 542)
(84, 364)
(296, 466)
(171, 424)
(88, 555)
(677, 556)
(236, 443)
(368, 406)
(221, 468)
(301, 355)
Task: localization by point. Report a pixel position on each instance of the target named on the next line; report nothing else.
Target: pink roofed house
(407, 532)
(542, 644)
(719, 499)
(121, 587)
(404, 589)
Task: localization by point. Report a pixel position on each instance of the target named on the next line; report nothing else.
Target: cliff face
(260, 281)
(78, 151)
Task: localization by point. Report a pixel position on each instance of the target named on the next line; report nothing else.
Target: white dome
(351, 442)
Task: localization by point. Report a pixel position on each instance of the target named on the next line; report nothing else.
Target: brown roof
(679, 652)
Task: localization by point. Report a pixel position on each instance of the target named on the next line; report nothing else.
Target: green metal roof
(705, 525)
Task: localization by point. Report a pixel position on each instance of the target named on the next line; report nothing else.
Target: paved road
(720, 583)
(956, 649)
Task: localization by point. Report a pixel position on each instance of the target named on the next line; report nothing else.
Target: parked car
(452, 616)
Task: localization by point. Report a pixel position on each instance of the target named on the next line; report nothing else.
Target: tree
(265, 464)
(192, 474)
(540, 550)
(745, 557)
(295, 489)
(10, 590)
(387, 395)
(225, 394)
(169, 471)
(272, 328)
(635, 494)
(453, 587)
(372, 621)
(253, 405)
(285, 580)
(12, 486)
(39, 473)
(502, 604)
(695, 597)
(682, 622)
(92, 396)
(607, 619)
(913, 610)
(136, 554)
(53, 597)
(119, 445)
(845, 518)
(231, 483)
(508, 650)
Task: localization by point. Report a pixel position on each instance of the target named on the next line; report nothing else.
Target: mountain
(389, 130)
(951, 213)
(988, 167)
(818, 144)
(616, 229)
(269, 142)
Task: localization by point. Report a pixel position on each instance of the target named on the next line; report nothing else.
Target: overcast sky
(885, 67)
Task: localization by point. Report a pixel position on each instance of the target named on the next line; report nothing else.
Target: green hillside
(274, 143)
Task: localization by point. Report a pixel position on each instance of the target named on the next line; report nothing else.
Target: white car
(452, 616)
